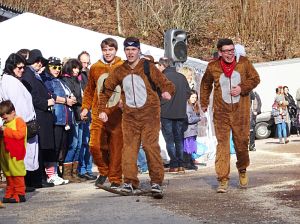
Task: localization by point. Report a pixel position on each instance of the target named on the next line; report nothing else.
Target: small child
(190, 135)
(12, 153)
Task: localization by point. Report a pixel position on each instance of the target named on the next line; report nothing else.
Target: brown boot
(75, 176)
(67, 171)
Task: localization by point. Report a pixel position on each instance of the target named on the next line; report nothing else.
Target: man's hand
(103, 116)
(235, 91)
(70, 101)
(51, 102)
(166, 95)
(83, 114)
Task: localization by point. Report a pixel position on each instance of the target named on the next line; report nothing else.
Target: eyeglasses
(20, 67)
(228, 51)
(55, 67)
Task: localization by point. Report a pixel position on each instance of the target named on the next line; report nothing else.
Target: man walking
(173, 115)
(255, 109)
(106, 139)
(232, 82)
(141, 114)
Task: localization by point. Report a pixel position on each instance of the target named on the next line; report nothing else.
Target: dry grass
(270, 29)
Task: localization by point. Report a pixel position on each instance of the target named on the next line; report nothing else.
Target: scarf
(227, 68)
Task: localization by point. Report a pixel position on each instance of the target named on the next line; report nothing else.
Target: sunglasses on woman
(20, 67)
(55, 67)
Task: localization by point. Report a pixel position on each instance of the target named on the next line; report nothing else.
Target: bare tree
(120, 31)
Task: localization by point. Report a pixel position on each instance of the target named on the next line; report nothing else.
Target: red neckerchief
(227, 68)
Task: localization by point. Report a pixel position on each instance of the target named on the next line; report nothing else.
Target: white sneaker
(56, 180)
(61, 179)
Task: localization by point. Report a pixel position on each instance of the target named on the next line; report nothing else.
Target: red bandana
(227, 68)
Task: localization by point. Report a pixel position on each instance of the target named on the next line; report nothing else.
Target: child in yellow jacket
(12, 153)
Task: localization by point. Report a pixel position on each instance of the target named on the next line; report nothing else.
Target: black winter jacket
(176, 107)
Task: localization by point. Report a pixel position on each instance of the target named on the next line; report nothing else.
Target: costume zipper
(133, 90)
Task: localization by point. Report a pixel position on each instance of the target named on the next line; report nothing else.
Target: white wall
(274, 74)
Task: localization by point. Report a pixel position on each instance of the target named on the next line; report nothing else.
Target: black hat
(36, 55)
(132, 42)
(54, 61)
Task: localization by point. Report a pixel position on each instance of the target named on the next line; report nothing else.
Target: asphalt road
(273, 196)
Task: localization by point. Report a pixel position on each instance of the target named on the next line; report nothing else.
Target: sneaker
(191, 167)
(223, 186)
(56, 180)
(90, 176)
(61, 179)
(100, 180)
(114, 185)
(243, 177)
(127, 188)
(287, 141)
(156, 188)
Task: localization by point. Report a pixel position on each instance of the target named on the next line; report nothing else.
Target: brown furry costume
(230, 112)
(105, 138)
(141, 117)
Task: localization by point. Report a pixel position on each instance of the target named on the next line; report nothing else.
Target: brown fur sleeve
(110, 84)
(252, 78)
(206, 87)
(89, 91)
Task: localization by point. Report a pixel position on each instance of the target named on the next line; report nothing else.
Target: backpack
(147, 72)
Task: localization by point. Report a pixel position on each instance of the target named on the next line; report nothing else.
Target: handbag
(32, 128)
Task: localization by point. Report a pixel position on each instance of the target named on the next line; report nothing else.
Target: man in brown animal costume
(232, 81)
(106, 139)
(141, 114)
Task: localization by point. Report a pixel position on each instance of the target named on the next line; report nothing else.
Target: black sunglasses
(56, 67)
(20, 67)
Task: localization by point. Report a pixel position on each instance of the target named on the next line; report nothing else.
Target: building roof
(7, 12)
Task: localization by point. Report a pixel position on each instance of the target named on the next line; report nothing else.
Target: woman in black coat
(72, 78)
(42, 102)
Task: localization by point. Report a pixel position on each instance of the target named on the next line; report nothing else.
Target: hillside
(269, 31)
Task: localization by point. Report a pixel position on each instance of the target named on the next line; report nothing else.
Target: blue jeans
(281, 130)
(172, 131)
(75, 142)
(85, 158)
(142, 161)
